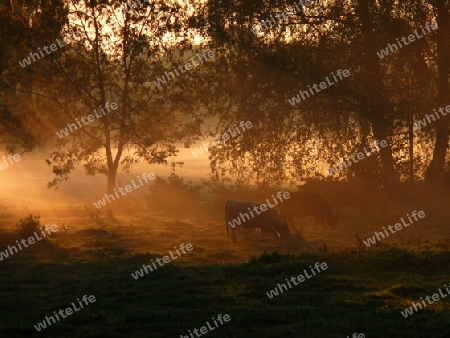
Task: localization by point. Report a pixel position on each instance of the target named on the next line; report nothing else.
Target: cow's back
(302, 204)
(234, 208)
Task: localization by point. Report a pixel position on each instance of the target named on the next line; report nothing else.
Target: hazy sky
(25, 181)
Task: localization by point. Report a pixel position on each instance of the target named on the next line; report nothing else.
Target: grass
(361, 291)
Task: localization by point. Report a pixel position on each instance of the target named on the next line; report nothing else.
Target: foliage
(26, 227)
(24, 26)
(115, 58)
(291, 144)
(174, 195)
(266, 258)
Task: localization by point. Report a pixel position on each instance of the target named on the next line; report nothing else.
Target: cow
(302, 204)
(353, 194)
(243, 214)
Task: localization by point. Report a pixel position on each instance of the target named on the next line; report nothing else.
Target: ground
(363, 290)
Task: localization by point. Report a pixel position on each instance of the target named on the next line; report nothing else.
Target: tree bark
(435, 170)
(376, 110)
(112, 173)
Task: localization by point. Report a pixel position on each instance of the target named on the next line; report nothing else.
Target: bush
(27, 226)
(267, 258)
(174, 196)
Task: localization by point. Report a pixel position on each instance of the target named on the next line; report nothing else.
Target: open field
(361, 291)
(182, 157)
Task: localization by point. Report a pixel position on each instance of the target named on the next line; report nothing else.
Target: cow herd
(300, 204)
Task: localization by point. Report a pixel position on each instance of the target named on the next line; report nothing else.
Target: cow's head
(284, 231)
(281, 227)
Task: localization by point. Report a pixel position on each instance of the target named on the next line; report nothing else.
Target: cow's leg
(276, 235)
(233, 235)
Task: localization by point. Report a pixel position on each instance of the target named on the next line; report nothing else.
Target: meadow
(363, 290)
(365, 151)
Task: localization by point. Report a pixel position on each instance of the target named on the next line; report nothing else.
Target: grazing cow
(302, 204)
(243, 214)
(353, 194)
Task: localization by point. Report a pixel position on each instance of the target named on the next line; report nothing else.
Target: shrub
(27, 226)
(174, 196)
(266, 258)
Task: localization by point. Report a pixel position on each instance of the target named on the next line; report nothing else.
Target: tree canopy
(260, 65)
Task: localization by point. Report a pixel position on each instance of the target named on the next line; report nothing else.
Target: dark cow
(302, 204)
(243, 214)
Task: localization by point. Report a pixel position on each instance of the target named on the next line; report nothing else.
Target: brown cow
(243, 214)
(302, 204)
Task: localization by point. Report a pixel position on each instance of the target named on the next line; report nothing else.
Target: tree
(112, 63)
(435, 169)
(21, 25)
(290, 143)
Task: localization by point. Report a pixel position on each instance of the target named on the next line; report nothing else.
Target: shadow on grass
(358, 292)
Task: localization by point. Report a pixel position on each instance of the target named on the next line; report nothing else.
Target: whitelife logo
(42, 325)
(11, 157)
(391, 48)
(188, 66)
(272, 293)
(284, 15)
(140, 273)
(30, 240)
(398, 227)
(323, 85)
(237, 221)
(410, 311)
(204, 329)
(422, 123)
(90, 118)
(335, 169)
(128, 188)
(219, 139)
(35, 56)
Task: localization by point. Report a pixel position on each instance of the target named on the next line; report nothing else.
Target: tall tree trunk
(434, 172)
(112, 173)
(411, 144)
(376, 113)
(388, 172)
